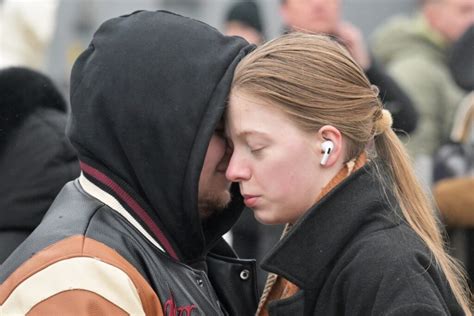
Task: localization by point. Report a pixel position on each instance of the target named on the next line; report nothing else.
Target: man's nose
(237, 169)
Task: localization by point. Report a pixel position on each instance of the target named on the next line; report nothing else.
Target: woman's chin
(266, 218)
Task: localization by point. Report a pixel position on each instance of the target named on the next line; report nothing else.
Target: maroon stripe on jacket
(132, 204)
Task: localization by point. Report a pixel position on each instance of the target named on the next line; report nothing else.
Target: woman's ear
(331, 151)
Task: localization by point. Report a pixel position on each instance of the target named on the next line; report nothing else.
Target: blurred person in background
(415, 51)
(244, 19)
(454, 161)
(325, 16)
(133, 234)
(36, 158)
(26, 30)
(454, 184)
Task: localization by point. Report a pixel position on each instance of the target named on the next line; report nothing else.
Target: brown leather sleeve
(78, 303)
(74, 247)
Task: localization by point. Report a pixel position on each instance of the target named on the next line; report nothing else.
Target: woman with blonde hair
(313, 148)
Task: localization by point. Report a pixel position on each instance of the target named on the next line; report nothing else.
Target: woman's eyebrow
(245, 133)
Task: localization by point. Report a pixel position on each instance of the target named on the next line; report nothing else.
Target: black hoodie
(146, 97)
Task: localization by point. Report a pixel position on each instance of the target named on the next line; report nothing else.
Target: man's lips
(250, 200)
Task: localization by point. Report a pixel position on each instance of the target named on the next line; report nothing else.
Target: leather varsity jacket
(90, 255)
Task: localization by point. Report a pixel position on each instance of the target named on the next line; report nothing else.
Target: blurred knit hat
(22, 92)
(461, 61)
(246, 12)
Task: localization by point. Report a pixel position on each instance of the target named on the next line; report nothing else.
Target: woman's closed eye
(256, 149)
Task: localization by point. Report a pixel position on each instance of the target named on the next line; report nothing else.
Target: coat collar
(318, 238)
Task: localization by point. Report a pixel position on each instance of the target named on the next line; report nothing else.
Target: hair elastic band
(383, 123)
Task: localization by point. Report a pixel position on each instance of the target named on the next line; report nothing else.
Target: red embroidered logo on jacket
(172, 310)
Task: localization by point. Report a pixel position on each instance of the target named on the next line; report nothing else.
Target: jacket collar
(106, 198)
(305, 254)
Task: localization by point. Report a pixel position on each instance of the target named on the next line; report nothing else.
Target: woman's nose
(237, 169)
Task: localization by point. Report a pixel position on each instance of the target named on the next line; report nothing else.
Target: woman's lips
(250, 200)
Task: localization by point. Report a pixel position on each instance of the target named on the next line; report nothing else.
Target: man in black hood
(133, 234)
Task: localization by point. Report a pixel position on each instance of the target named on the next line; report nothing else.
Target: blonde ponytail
(418, 213)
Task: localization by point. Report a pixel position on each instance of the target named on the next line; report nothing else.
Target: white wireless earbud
(326, 148)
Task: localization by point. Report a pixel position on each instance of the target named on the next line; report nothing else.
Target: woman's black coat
(353, 254)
